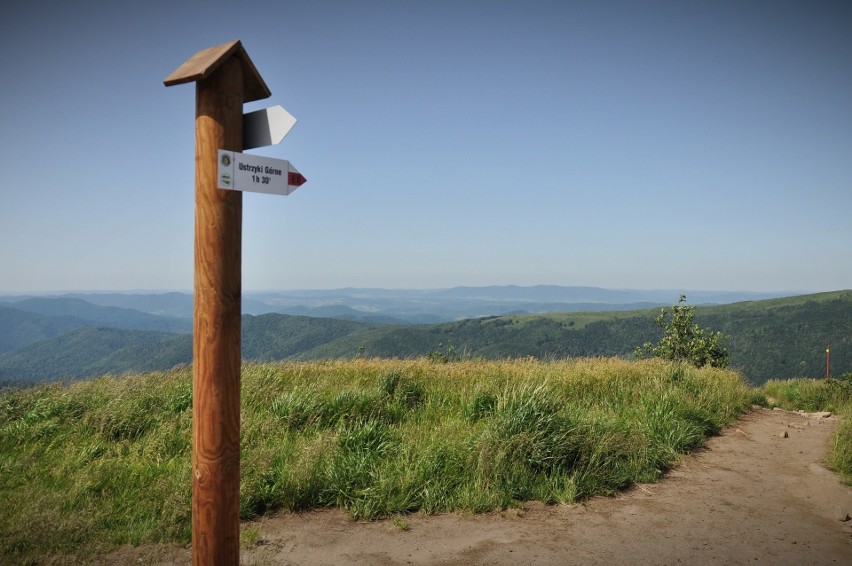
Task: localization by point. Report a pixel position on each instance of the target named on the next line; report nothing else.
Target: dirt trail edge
(758, 494)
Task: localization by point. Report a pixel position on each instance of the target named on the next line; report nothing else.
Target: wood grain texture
(216, 334)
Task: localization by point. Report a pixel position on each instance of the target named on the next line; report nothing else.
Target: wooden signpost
(225, 78)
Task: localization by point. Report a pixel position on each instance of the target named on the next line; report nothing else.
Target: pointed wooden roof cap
(203, 63)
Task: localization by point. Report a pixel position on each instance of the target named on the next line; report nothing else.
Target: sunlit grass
(106, 462)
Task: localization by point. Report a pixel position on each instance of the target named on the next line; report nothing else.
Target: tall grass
(820, 395)
(107, 462)
(95, 464)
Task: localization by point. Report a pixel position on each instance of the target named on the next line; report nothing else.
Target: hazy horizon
(417, 289)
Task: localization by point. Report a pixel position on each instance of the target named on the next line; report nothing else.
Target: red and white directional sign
(244, 172)
(266, 127)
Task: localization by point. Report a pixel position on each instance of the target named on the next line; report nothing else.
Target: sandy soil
(752, 496)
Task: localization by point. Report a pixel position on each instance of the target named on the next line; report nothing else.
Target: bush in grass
(685, 341)
(529, 427)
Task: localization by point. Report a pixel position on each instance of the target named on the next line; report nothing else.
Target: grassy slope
(106, 462)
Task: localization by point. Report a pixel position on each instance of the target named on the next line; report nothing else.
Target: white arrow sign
(266, 127)
(243, 172)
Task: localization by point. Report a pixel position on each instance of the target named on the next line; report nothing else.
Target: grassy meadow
(91, 465)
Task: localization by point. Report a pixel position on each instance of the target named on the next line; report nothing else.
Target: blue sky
(675, 145)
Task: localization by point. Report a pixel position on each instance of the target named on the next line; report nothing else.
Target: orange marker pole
(828, 362)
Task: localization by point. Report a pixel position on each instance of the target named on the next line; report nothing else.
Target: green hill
(769, 339)
(783, 338)
(95, 350)
(114, 317)
(272, 337)
(543, 336)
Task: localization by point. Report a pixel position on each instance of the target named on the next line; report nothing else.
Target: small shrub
(685, 341)
(450, 355)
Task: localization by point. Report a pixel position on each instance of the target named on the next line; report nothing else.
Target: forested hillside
(19, 328)
(271, 337)
(544, 336)
(114, 317)
(784, 338)
(95, 350)
(778, 338)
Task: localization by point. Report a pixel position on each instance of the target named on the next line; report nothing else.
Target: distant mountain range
(388, 306)
(72, 337)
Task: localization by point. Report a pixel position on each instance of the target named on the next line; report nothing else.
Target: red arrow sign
(295, 179)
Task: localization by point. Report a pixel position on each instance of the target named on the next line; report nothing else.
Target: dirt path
(753, 496)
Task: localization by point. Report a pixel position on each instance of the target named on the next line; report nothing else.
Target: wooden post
(225, 78)
(216, 326)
